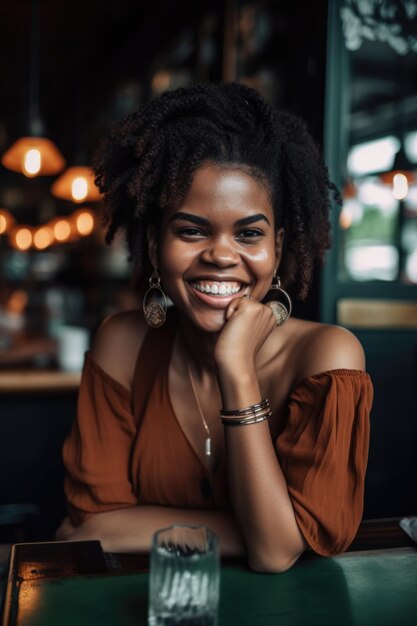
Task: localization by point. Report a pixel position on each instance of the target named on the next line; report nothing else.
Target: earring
(155, 302)
(280, 311)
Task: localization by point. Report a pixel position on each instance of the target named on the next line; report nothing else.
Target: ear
(279, 243)
(152, 239)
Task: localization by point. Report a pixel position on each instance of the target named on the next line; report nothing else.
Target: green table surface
(355, 589)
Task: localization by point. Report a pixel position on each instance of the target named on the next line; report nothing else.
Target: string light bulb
(59, 230)
(6, 221)
(21, 238)
(62, 230)
(84, 220)
(43, 238)
(3, 224)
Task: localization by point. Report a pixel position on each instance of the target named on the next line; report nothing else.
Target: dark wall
(32, 430)
(390, 489)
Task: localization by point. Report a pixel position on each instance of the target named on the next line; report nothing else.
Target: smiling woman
(222, 410)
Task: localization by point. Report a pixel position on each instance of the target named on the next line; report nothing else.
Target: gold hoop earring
(155, 302)
(281, 311)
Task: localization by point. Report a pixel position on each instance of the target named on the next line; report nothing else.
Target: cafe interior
(68, 69)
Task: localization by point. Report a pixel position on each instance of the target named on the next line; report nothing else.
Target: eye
(250, 234)
(190, 232)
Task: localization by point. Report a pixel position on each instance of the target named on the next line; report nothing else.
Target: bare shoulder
(116, 345)
(323, 347)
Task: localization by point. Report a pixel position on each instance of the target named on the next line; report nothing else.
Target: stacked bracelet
(250, 415)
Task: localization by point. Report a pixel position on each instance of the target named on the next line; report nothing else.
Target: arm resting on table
(131, 529)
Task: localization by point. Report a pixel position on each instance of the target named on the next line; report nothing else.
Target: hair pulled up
(147, 163)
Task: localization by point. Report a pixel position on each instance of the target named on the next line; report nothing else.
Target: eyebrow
(202, 221)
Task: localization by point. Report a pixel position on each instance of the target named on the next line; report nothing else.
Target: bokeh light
(43, 237)
(22, 238)
(79, 188)
(84, 222)
(62, 230)
(32, 162)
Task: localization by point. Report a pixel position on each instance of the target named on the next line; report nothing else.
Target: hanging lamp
(34, 154)
(401, 175)
(76, 184)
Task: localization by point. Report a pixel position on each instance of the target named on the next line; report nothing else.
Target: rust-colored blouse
(127, 449)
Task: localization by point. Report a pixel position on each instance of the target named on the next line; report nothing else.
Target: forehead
(228, 189)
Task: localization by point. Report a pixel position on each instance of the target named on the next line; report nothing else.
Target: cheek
(260, 256)
(262, 259)
(175, 258)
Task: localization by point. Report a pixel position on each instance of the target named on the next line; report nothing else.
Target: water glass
(184, 577)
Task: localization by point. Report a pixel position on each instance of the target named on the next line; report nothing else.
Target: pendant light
(401, 175)
(34, 154)
(76, 184)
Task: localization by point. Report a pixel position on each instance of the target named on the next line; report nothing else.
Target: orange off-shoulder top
(128, 448)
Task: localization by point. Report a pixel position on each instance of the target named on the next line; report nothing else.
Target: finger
(237, 303)
(230, 310)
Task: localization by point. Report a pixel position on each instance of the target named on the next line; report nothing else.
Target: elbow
(270, 563)
(87, 530)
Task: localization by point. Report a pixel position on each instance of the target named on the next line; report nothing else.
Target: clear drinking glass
(184, 577)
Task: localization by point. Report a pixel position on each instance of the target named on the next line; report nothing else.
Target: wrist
(233, 364)
(239, 373)
(239, 389)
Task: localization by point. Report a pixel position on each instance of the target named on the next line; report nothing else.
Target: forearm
(259, 491)
(260, 498)
(131, 529)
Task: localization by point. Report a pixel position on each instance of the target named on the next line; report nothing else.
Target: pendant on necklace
(207, 446)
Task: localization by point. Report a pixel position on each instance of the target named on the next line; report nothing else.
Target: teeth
(220, 289)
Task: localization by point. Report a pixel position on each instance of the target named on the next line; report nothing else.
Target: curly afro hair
(149, 158)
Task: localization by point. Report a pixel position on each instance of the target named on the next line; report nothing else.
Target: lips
(217, 294)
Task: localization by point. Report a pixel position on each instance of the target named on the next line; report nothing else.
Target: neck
(199, 347)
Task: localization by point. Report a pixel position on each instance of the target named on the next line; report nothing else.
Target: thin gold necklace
(207, 445)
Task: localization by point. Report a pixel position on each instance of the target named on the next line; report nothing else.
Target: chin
(214, 328)
(201, 317)
(213, 323)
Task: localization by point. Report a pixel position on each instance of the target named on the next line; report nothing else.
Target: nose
(221, 251)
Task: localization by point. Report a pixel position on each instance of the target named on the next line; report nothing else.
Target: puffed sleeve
(97, 451)
(323, 452)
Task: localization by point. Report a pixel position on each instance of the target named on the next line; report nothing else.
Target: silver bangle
(260, 406)
(255, 418)
(249, 410)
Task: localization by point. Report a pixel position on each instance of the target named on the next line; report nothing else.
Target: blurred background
(73, 67)
(68, 69)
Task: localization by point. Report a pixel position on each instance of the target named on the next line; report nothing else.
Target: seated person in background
(223, 410)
